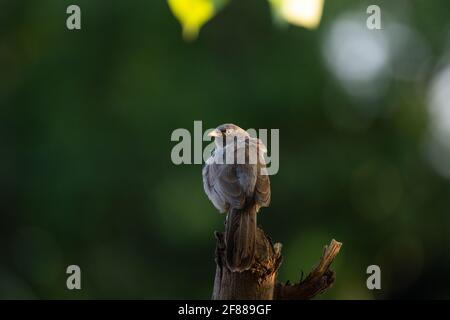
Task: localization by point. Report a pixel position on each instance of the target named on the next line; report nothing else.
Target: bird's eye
(228, 131)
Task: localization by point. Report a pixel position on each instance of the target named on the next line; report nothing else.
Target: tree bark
(259, 282)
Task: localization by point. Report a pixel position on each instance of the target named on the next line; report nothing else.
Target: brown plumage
(239, 188)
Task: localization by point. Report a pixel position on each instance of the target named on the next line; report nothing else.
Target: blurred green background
(86, 117)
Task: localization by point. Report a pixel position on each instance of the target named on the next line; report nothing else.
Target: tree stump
(260, 281)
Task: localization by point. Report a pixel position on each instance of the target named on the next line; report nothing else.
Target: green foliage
(85, 170)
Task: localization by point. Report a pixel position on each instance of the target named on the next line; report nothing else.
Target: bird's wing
(222, 183)
(262, 187)
(233, 185)
(208, 184)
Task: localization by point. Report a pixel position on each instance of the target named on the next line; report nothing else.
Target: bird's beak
(214, 133)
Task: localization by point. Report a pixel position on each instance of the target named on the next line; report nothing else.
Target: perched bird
(235, 180)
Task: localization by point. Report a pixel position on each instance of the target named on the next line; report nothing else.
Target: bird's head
(227, 132)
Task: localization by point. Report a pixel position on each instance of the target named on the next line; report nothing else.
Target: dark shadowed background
(86, 117)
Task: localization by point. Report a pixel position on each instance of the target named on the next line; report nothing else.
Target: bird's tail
(240, 238)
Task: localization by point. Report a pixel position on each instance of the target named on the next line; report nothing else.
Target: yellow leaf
(305, 13)
(192, 14)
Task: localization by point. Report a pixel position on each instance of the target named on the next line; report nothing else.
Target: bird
(235, 180)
